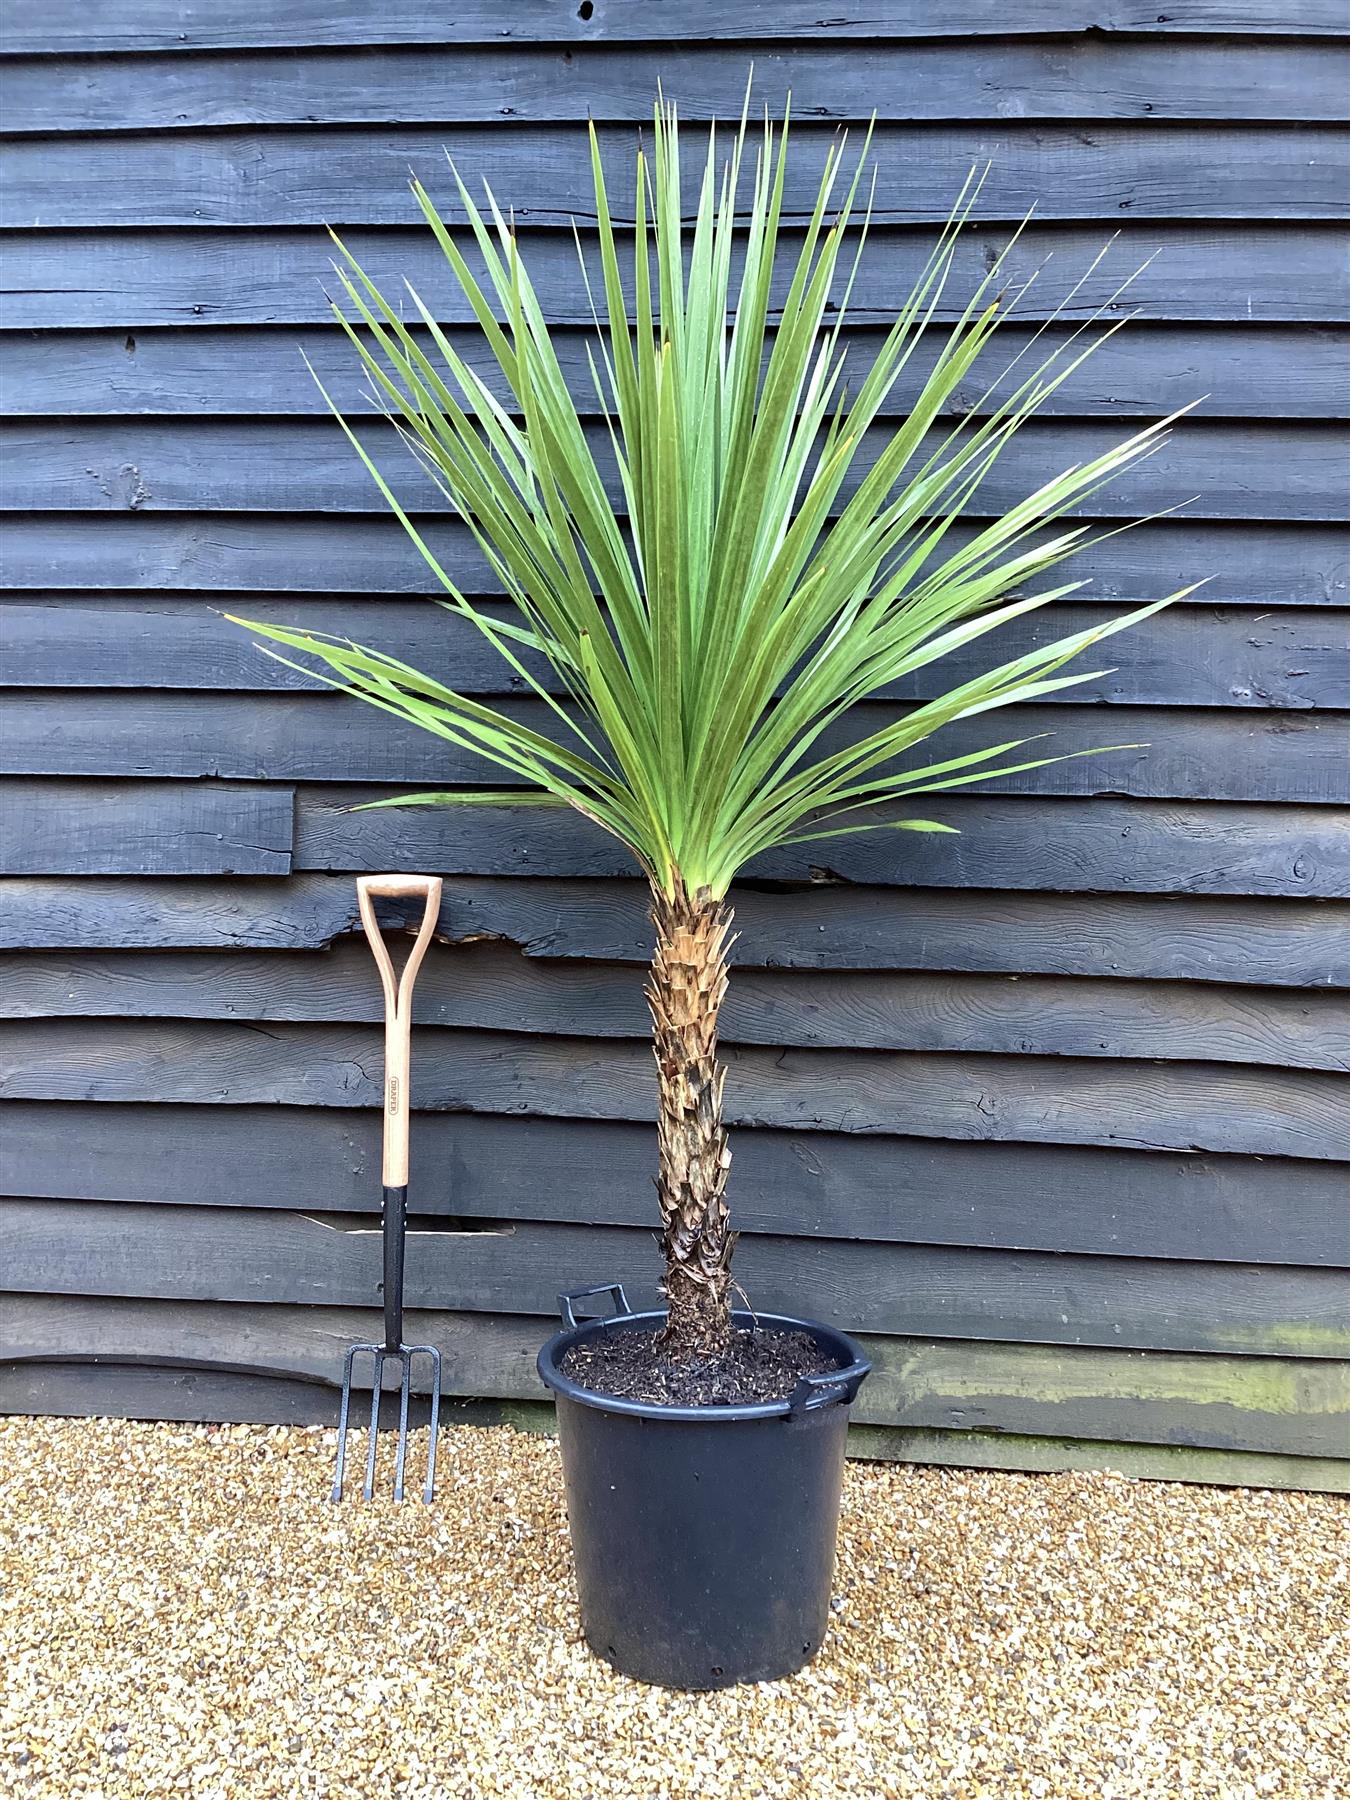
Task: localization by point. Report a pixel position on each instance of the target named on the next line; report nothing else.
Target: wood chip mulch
(183, 1613)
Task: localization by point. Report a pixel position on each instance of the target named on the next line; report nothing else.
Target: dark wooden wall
(1054, 1112)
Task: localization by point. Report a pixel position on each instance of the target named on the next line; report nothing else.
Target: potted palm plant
(703, 586)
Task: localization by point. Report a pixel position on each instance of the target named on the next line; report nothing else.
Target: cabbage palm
(701, 596)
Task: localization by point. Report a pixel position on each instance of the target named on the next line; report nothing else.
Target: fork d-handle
(397, 1060)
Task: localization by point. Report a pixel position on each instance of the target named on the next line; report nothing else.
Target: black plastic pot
(703, 1536)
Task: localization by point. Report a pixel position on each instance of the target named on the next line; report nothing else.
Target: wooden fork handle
(398, 990)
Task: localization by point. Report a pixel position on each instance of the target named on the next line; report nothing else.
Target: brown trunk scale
(685, 990)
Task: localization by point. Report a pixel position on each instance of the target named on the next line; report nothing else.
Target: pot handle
(567, 1302)
(814, 1391)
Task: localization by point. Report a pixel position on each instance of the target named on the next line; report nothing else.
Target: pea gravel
(183, 1613)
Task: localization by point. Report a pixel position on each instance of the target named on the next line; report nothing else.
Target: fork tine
(377, 1383)
(401, 1456)
(378, 1354)
(342, 1424)
(435, 1357)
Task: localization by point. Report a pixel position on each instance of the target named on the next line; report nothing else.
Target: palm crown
(767, 577)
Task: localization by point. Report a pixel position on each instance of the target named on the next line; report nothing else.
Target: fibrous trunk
(688, 981)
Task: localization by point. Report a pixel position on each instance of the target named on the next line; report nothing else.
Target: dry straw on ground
(182, 1613)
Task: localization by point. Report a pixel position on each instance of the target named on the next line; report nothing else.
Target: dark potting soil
(765, 1364)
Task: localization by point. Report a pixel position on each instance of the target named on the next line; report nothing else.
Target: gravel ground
(182, 1613)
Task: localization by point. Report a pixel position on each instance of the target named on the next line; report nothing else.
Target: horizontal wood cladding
(487, 987)
(1038, 1099)
(1014, 842)
(1150, 1397)
(1243, 562)
(1194, 656)
(1025, 843)
(1236, 470)
(1253, 272)
(1002, 841)
(1013, 1196)
(64, 25)
(924, 78)
(127, 1390)
(193, 1253)
(820, 927)
(356, 176)
(1208, 755)
(1269, 372)
(1053, 1111)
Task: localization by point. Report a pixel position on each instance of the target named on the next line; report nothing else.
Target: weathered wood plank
(222, 1254)
(307, 176)
(1002, 841)
(482, 1355)
(1293, 1407)
(1050, 1455)
(1202, 755)
(1260, 943)
(137, 1391)
(1136, 1105)
(1240, 470)
(1024, 1388)
(64, 25)
(1251, 273)
(486, 986)
(926, 78)
(117, 1390)
(925, 1384)
(106, 1388)
(1009, 842)
(1199, 1208)
(1245, 563)
(146, 828)
(1190, 656)
(1279, 372)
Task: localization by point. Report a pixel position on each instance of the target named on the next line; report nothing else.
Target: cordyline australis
(698, 606)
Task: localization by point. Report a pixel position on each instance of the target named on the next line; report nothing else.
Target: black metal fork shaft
(395, 1227)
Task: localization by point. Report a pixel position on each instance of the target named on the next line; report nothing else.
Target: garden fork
(397, 1101)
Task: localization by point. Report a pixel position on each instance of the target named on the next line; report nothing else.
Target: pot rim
(813, 1393)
